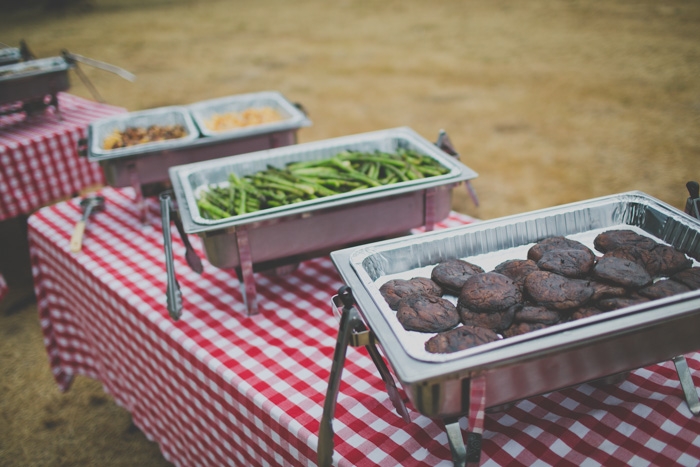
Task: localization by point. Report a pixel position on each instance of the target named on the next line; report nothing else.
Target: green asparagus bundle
(301, 181)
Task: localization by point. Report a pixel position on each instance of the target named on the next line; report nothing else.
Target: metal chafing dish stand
(144, 167)
(275, 238)
(33, 85)
(496, 375)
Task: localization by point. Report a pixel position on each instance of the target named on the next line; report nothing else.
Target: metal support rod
(457, 446)
(172, 290)
(248, 289)
(429, 209)
(689, 390)
(349, 321)
(139, 199)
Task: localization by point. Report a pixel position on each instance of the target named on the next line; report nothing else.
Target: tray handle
(444, 143)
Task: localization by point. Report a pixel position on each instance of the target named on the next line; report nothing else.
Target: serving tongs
(172, 291)
(73, 59)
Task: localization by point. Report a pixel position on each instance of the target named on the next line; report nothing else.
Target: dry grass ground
(549, 101)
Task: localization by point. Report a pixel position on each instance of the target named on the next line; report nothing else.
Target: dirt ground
(549, 101)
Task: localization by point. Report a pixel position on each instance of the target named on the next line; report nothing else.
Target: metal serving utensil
(87, 204)
(172, 289)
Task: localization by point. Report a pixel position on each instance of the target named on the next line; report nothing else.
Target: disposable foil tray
(161, 116)
(291, 116)
(540, 361)
(145, 166)
(33, 79)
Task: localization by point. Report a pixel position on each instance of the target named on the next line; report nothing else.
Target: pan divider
(686, 379)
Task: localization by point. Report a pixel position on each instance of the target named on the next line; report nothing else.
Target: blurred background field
(549, 101)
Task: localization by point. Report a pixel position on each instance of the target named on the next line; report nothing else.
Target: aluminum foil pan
(558, 347)
(193, 178)
(171, 115)
(292, 117)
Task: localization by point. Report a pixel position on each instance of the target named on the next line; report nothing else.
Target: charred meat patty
(394, 290)
(614, 239)
(554, 243)
(567, 262)
(426, 313)
(488, 292)
(621, 271)
(517, 269)
(453, 273)
(460, 338)
(557, 292)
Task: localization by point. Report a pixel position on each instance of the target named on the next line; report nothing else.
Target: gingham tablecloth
(39, 162)
(220, 388)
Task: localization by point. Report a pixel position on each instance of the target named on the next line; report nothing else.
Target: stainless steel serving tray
(286, 235)
(192, 178)
(541, 361)
(146, 165)
(33, 79)
(9, 55)
(292, 117)
(162, 116)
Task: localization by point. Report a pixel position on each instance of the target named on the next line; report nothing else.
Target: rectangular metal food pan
(9, 55)
(33, 79)
(161, 116)
(291, 116)
(146, 165)
(544, 360)
(329, 222)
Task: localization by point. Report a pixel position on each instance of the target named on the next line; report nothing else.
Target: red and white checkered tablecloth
(220, 388)
(39, 162)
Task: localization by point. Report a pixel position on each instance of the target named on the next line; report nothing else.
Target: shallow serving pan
(146, 165)
(33, 79)
(320, 223)
(9, 55)
(292, 117)
(541, 361)
(162, 116)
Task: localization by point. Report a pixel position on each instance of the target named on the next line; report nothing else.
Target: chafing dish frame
(432, 196)
(34, 84)
(450, 389)
(145, 167)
